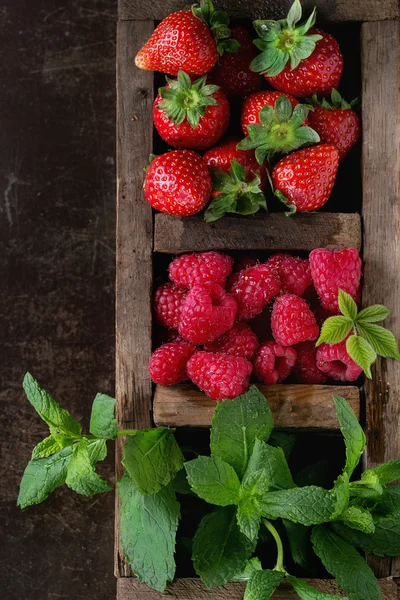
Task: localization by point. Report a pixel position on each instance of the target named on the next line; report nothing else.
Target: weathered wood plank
(272, 231)
(134, 244)
(293, 406)
(328, 10)
(381, 218)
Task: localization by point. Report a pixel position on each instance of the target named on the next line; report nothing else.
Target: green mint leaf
(236, 425)
(213, 480)
(255, 483)
(307, 592)
(347, 306)
(148, 532)
(354, 437)
(43, 476)
(97, 451)
(345, 564)
(380, 339)
(152, 458)
(300, 544)
(341, 492)
(361, 352)
(46, 448)
(58, 419)
(358, 518)
(334, 330)
(102, 421)
(249, 517)
(250, 567)
(307, 506)
(180, 483)
(273, 462)
(367, 487)
(315, 474)
(387, 472)
(371, 314)
(81, 476)
(384, 541)
(220, 550)
(283, 440)
(262, 584)
(389, 503)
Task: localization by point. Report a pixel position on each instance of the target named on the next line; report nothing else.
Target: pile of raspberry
(223, 323)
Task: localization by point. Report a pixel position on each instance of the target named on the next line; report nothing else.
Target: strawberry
(232, 72)
(304, 179)
(255, 102)
(336, 123)
(178, 183)
(187, 40)
(297, 59)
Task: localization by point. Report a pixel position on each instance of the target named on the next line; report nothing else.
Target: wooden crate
(140, 234)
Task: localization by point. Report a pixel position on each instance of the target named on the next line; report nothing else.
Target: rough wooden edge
(381, 218)
(293, 406)
(273, 231)
(134, 245)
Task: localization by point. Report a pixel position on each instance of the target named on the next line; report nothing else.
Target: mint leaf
(345, 564)
(361, 352)
(374, 313)
(250, 567)
(213, 480)
(263, 584)
(347, 306)
(273, 462)
(97, 451)
(236, 425)
(284, 440)
(58, 419)
(300, 545)
(220, 550)
(249, 517)
(387, 472)
(308, 505)
(358, 518)
(367, 487)
(43, 476)
(307, 592)
(354, 437)
(341, 492)
(380, 339)
(334, 330)
(148, 531)
(152, 458)
(102, 421)
(384, 541)
(46, 448)
(81, 476)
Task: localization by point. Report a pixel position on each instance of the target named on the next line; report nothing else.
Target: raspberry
(261, 324)
(238, 341)
(292, 321)
(196, 269)
(274, 363)
(168, 363)
(168, 302)
(294, 272)
(220, 376)
(333, 270)
(252, 289)
(334, 360)
(305, 370)
(207, 313)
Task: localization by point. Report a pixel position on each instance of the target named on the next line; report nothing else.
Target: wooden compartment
(140, 234)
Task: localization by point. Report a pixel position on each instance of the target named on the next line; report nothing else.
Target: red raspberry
(168, 363)
(334, 360)
(305, 369)
(238, 341)
(252, 289)
(207, 313)
(196, 269)
(292, 321)
(261, 324)
(168, 302)
(294, 272)
(333, 270)
(274, 363)
(220, 376)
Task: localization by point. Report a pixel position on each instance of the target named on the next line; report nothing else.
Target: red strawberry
(297, 59)
(336, 123)
(253, 104)
(178, 183)
(190, 115)
(304, 179)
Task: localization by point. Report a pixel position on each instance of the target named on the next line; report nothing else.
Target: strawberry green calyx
(235, 194)
(281, 130)
(218, 21)
(335, 102)
(284, 41)
(186, 100)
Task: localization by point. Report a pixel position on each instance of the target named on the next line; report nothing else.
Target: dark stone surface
(57, 239)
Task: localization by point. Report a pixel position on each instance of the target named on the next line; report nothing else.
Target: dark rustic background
(57, 220)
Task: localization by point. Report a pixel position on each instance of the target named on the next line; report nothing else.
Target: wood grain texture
(328, 10)
(134, 244)
(381, 218)
(273, 231)
(293, 406)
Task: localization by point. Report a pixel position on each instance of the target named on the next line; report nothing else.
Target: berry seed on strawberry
(274, 363)
(294, 272)
(253, 289)
(238, 341)
(168, 363)
(334, 360)
(200, 268)
(220, 376)
(305, 370)
(168, 302)
(292, 321)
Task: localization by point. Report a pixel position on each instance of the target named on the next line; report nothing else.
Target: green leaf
(236, 425)
(81, 476)
(250, 567)
(213, 480)
(334, 330)
(273, 462)
(374, 313)
(262, 584)
(380, 339)
(97, 451)
(354, 437)
(347, 306)
(387, 472)
(220, 550)
(307, 506)
(300, 545)
(341, 492)
(152, 458)
(361, 352)
(384, 541)
(284, 440)
(42, 476)
(102, 421)
(358, 518)
(368, 487)
(254, 483)
(283, 108)
(345, 564)
(46, 448)
(148, 531)
(307, 592)
(249, 517)
(218, 207)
